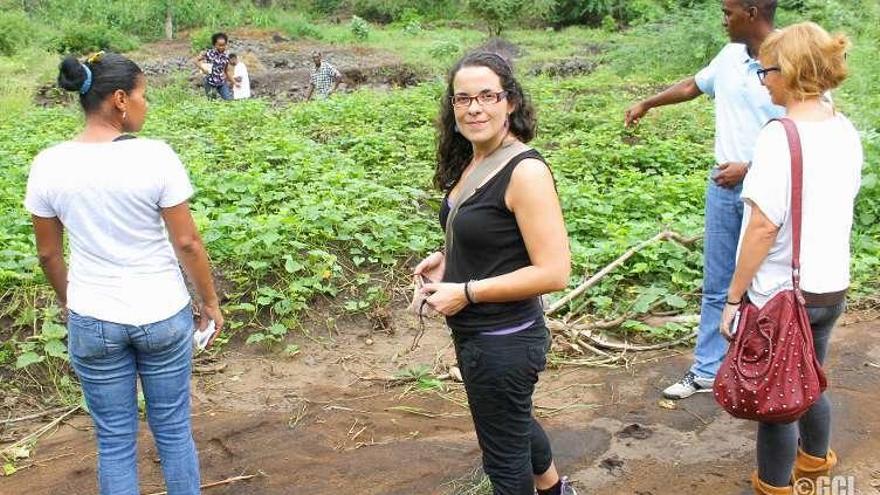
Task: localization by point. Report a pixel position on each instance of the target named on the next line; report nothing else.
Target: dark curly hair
(454, 152)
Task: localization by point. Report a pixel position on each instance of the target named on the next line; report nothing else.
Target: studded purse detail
(770, 373)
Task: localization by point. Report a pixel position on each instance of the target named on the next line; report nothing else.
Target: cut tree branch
(666, 235)
(227, 481)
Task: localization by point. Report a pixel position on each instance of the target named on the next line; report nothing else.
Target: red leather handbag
(770, 373)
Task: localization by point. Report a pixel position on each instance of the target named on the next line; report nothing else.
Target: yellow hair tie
(95, 57)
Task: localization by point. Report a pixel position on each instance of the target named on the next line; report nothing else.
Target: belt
(824, 299)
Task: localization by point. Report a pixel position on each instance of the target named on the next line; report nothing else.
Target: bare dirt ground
(327, 421)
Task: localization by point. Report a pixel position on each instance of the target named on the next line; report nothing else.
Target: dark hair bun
(71, 74)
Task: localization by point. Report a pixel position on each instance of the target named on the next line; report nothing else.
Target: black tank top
(488, 243)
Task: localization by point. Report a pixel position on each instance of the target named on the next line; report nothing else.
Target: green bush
(16, 30)
(326, 6)
(378, 11)
(497, 14)
(299, 27)
(388, 11)
(623, 12)
(200, 39)
(665, 50)
(413, 27)
(360, 28)
(83, 38)
(443, 49)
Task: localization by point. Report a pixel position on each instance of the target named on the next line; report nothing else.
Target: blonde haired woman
(800, 65)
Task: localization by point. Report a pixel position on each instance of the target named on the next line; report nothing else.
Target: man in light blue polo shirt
(742, 107)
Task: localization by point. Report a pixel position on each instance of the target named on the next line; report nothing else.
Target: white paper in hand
(202, 337)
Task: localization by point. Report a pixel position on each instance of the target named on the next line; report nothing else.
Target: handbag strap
(797, 187)
(501, 156)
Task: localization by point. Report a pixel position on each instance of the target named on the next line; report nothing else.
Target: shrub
(200, 39)
(445, 49)
(623, 12)
(83, 38)
(360, 28)
(497, 14)
(298, 27)
(326, 7)
(16, 30)
(378, 11)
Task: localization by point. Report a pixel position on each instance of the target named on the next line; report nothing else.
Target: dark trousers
(500, 372)
(224, 90)
(778, 442)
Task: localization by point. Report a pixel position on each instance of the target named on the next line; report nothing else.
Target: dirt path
(325, 422)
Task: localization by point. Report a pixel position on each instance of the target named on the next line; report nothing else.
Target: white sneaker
(567, 488)
(689, 385)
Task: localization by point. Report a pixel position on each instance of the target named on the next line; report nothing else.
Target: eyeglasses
(485, 98)
(762, 73)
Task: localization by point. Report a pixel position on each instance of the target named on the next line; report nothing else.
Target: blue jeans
(108, 358)
(224, 90)
(724, 212)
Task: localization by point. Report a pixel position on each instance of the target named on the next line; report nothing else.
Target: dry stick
(664, 235)
(699, 418)
(41, 462)
(218, 483)
(42, 431)
(34, 416)
(625, 346)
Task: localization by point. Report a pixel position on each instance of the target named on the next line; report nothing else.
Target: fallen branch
(664, 235)
(34, 416)
(603, 341)
(40, 432)
(699, 418)
(209, 369)
(227, 481)
(422, 412)
(401, 380)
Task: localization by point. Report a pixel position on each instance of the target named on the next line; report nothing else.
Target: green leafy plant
(48, 344)
(359, 28)
(421, 377)
(83, 39)
(16, 29)
(497, 14)
(445, 49)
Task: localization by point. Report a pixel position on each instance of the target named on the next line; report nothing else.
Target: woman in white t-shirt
(122, 201)
(800, 64)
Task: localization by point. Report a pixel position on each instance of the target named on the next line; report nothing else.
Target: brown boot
(811, 467)
(762, 488)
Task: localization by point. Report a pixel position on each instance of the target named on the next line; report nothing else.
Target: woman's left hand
(448, 299)
(727, 317)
